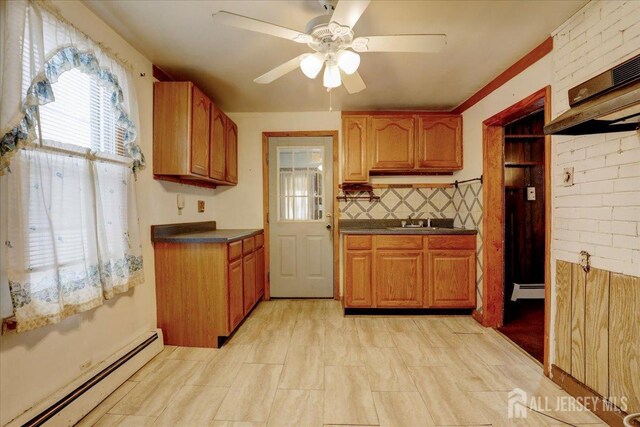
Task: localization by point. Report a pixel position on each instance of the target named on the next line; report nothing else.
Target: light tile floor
(302, 363)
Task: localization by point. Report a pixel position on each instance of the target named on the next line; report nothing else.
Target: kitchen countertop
(381, 226)
(199, 232)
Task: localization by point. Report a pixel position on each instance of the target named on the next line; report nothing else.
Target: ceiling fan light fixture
(331, 76)
(312, 64)
(348, 61)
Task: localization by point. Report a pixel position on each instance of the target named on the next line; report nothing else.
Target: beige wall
(241, 206)
(35, 364)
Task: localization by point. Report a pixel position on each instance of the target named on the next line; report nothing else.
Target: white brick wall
(600, 213)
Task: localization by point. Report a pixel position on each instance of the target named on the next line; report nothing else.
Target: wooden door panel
(399, 279)
(563, 316)
(392, 143)
(358, 275)
(232, 152)
(200, 112)
(452, 278)
(355, 166)
(578, 303)
(236, 308)
(624, 340)
(440, 142)
(260, 273)
(249, 281)
(597, 331)
(217, 154)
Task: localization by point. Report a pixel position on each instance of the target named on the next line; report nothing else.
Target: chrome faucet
(409, 219)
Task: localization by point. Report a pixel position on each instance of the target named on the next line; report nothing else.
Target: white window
(82, 115)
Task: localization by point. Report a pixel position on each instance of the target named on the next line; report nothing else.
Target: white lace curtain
(72, 230)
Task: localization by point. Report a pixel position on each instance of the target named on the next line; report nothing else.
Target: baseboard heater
(78, 402)
(527, 291)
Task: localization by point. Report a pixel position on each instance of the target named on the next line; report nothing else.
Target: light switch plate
(531, 194)
(200, 206)
(567, 177)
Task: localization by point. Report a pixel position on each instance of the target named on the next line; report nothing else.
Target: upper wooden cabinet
(191, 137)
(440, 142)
(217, 154)
(392, 143)
(354, 142)
(232, 152)
(400, 143)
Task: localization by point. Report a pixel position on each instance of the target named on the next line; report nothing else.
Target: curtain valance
(37, 48)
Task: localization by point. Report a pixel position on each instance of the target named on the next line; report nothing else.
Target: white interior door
(300, 209)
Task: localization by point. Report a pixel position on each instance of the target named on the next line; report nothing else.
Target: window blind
(81, 115)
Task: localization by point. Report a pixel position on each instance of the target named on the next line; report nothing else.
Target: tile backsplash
(463, 204)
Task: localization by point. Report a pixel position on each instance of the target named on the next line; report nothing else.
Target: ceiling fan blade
(280, 70)
(246, 23)
(353, 83)
(348, 12)
(400, 43)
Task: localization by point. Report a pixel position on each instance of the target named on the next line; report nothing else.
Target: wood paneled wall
(597, 331)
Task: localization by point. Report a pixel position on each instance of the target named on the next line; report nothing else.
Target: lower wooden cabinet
(452, 278)
(205, 290)
(236, 306)
(358, 283)
(249, 280)
(399, 278)
(407, 271)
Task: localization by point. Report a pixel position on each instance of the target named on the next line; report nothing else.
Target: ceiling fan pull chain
(330, 103)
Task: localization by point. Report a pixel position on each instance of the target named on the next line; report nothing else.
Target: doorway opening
(516, 195)
(300, 179)
(524, 233)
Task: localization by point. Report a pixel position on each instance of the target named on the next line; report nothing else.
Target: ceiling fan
(336, 47)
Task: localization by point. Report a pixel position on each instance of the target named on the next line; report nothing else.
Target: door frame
(493, 199)
(265, 202)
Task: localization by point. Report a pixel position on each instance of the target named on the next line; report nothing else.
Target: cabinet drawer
(359, 242)
(452, 242)
(235, 250)
(248, 245)
(259, 240)
(398, 242)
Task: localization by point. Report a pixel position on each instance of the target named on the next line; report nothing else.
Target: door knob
(328, 226)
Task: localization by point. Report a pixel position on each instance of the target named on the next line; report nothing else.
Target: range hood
(609, 102)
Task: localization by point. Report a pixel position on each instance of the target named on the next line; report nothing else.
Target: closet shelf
(522, 164)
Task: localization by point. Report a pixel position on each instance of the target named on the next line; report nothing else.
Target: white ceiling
(483, 39)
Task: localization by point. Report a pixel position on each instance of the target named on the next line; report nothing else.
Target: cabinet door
(260, 276)
(358, 283)
(236, 309)
(232, 152)
(452, 278)
(217, 154)
(249, 280)
(440, 142)
(392, 143)
(200, 112)
(399, 279)
(354, 149)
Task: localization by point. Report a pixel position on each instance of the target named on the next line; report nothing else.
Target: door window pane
(300, 183)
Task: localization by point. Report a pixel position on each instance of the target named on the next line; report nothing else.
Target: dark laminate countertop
(199, 232)
(423, 230)
(381, 226)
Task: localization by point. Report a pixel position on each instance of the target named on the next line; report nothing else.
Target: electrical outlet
(567, 178)
(531, 194)
(200, 206)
